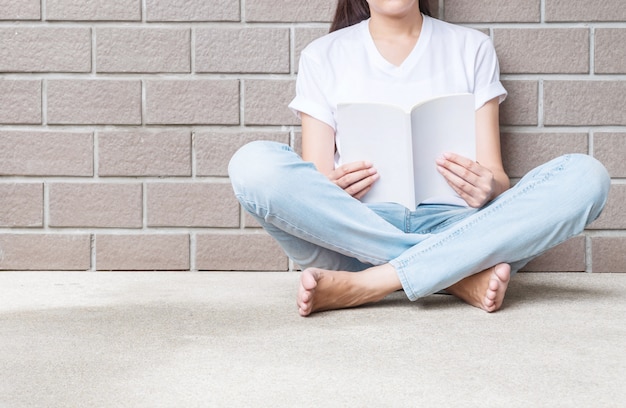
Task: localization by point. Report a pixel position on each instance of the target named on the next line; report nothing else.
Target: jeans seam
(407, 220)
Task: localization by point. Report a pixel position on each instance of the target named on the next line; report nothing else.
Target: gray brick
(143, 50)
(481, 11)
(96, 205)
(243, 252)
(610, 149)
(49, 252)
(608, 254)
(20, 101)
(20, 10)
(192, 10)
(523, 152)
(24, 153)
(21, 205)
(193, 102)
(83, 10)
(290, 11)
(582, 10)
(263, 50)
(266, 102)
(610, 53)
(544, 50)
(145, 252)
(584, 103)
(520, 106)
(94, 102)
(144, 153)
(44, 49)
(192, 205)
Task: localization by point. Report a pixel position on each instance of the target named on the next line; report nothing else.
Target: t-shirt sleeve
(487, 75)
(310, 96)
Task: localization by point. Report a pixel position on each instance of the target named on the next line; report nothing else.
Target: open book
(403, 145)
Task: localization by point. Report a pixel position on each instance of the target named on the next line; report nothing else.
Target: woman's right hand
(355, 178)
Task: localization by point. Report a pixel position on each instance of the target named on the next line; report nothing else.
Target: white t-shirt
(345, 66)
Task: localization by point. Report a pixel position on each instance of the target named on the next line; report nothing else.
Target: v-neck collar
(411, 59)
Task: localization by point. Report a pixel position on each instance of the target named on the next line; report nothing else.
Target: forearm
(318, 144)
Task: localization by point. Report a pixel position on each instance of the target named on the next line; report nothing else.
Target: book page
(445, 124)
(379, 134)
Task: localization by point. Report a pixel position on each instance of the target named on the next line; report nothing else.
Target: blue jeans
(318, 224)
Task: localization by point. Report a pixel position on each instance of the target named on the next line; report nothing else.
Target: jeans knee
(592, 177)
(592, 182)
(255, 163)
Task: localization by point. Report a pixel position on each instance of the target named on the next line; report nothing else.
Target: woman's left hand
(476, 184)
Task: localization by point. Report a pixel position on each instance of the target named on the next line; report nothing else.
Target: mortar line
(94, 51)
(234, 76)
(242, 103)
(144, 205)
(93, 258)
(114, 179)
(592, 51)
(277, 24)
(540, 105)
(144, 9)
(192, 50)
(193, 154)
(143, 102)
(44, 103)
(242, 218)
(292, 50)
(192, 252)
(46, 206)
(95, 171)
(588, 254)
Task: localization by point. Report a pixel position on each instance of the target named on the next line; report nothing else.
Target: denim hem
(404, 281)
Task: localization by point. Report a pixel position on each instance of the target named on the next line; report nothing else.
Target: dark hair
(350, 12)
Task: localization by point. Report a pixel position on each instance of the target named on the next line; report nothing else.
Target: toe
(493, 285)
(309, 278)
(492, 291)
(503, 272)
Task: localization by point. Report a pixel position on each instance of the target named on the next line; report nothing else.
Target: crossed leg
(322, 289)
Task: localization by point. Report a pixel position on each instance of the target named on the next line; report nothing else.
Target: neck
(406, 24)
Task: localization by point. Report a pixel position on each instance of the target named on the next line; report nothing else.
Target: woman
(391, 51)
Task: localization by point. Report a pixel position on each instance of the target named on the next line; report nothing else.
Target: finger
(348, 168)
(360, 188)
(462, 161)
(355, 177)
(459, 170)
(473, 195)
(458, 159)
(362, 193)
(458, 183)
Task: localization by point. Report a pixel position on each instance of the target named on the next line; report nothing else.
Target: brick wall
(118, 117)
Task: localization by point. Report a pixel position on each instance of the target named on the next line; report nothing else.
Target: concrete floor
(235, 340)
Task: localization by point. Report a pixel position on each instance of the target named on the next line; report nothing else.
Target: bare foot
(321, 289)
(485, 289)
